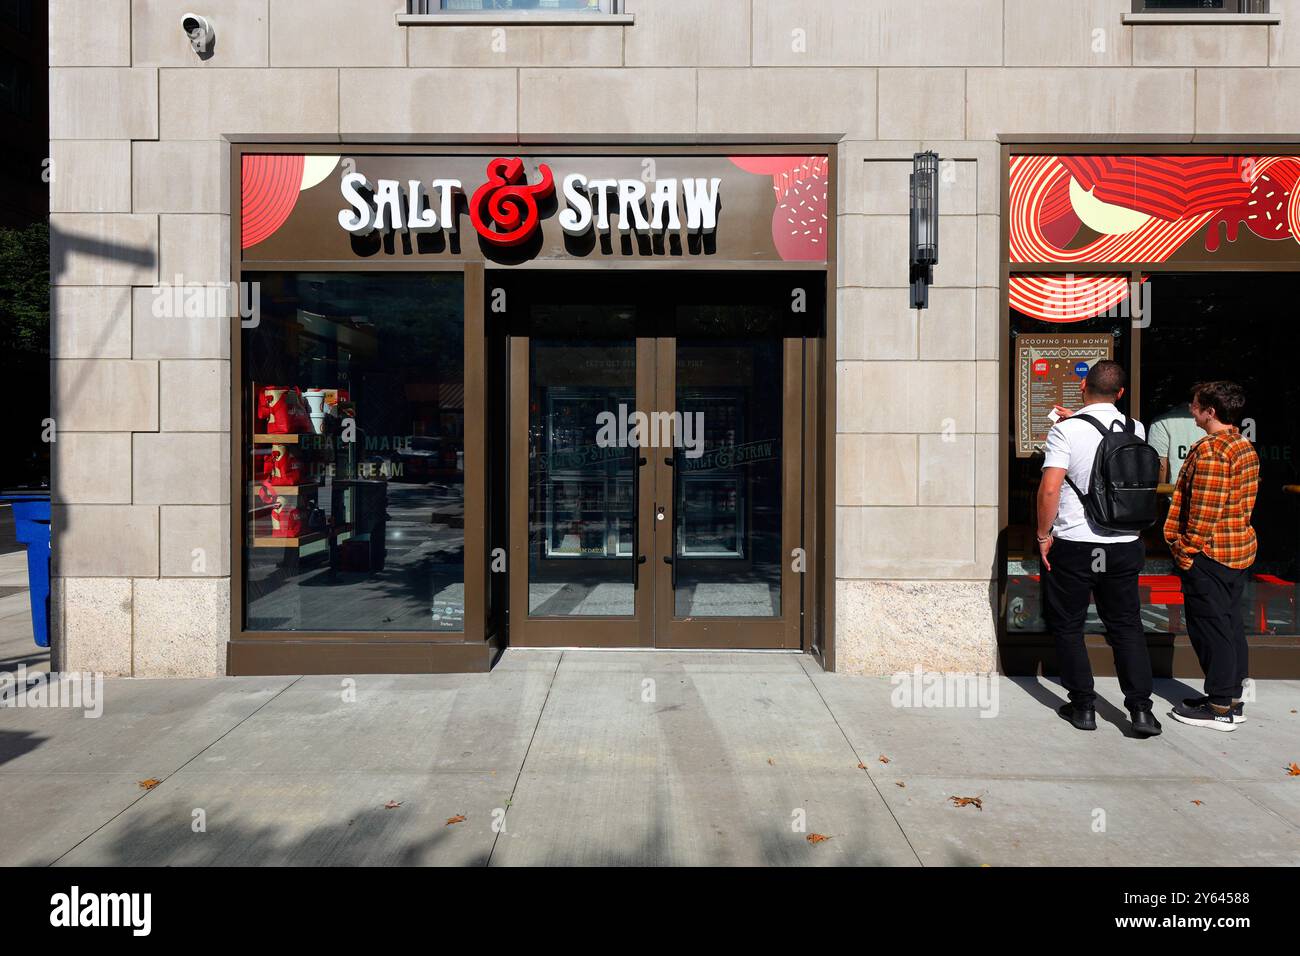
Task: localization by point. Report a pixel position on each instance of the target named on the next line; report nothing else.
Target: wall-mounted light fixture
(924, 232)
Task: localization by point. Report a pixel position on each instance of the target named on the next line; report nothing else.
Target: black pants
(1110, 573)
(1212, 596)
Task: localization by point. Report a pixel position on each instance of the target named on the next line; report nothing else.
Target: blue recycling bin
(32, 527)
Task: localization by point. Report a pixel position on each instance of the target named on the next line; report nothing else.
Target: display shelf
(288, 439)
(269, 541)
(273, 542)
(290, 490)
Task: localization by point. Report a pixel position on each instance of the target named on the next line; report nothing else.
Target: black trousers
(1212, 598)
(1109, 572)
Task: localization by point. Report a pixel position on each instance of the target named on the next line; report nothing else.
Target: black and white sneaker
(1203, 715)
(1238, 714)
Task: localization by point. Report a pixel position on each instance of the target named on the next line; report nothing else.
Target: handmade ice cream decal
(1136, 209)
(515, 200)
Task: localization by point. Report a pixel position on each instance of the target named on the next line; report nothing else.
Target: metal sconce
(924, 232)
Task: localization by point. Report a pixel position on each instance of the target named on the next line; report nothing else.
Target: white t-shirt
(1172, 436)
(1073, 445)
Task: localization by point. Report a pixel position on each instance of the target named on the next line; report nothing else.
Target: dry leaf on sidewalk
(392, 804)
(899, 783)
(458, 818)
(1199, 803)
(884, 759)
(861, 765)
(1293, 770)
(976, 802)
(817, 838)
(149, 784)
(771, 762)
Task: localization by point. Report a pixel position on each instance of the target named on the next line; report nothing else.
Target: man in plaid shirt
(1213, 545)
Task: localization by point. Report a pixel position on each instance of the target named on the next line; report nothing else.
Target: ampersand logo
(508, 203)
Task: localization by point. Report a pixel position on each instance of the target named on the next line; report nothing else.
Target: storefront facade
(559, 329)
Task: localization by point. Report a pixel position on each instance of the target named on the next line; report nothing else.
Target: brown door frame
(653, 623)
(732, 633)
(572, 631)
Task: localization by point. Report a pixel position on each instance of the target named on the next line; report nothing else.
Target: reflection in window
(353, 458)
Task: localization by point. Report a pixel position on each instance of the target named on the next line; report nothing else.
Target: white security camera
(199, 30)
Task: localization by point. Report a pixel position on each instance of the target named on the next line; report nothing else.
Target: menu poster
(1050, 370)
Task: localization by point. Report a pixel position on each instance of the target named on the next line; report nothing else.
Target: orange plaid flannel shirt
(1210, 513)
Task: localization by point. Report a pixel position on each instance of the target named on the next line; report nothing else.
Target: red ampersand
(510, 202)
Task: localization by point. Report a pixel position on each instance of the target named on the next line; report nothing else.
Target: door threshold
(667, 650)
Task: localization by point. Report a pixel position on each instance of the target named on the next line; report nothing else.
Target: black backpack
(1122, 491)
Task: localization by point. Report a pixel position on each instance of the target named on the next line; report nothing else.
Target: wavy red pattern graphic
(1156, 203)
(270, 187)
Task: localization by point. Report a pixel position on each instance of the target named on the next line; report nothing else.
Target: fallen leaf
(861, 765)
(392, 804)
(899, 783)
(884, 759)
(1293, 770)
(1293, 710)
(149, 784)
(817, 838)
(1199, 803)
(976, 802)
(458, 818)
(771, 762)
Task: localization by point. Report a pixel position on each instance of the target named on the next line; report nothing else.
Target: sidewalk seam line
(863, 763)
(527, 750)
(205, 749)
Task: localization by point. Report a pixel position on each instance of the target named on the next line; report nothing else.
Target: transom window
(509, 6)
(1200, 6)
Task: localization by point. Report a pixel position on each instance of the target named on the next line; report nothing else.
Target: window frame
(1271, 655)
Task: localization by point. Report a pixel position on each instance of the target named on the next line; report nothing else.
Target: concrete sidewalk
(16, 643)
(593, 757)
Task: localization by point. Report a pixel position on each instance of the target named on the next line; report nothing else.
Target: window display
(353, 405)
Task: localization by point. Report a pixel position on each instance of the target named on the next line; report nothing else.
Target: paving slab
(47, 813)
(696, 759)
(148, 727)
(406, 723)
(304, 819)
(1055, 823)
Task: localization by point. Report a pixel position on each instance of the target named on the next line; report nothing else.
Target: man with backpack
(1212, 541)
(1098, 492)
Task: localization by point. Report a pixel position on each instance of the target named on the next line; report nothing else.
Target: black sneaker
(1144, 723)
(1081, 716)
(1203, 715)
(1238, 715)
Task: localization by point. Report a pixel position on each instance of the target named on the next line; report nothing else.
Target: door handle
(636, 523)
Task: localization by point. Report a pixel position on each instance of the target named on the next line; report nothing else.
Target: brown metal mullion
(665, 494)
(475, 573)
(791, 445)
(517, 506)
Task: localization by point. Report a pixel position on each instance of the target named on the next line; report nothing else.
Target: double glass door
(655, 480)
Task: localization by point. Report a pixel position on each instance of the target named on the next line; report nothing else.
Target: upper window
(507, 6)
(1200, 6)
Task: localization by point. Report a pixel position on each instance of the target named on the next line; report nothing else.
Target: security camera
(199, 30)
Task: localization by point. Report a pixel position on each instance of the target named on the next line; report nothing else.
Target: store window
(353, 453)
